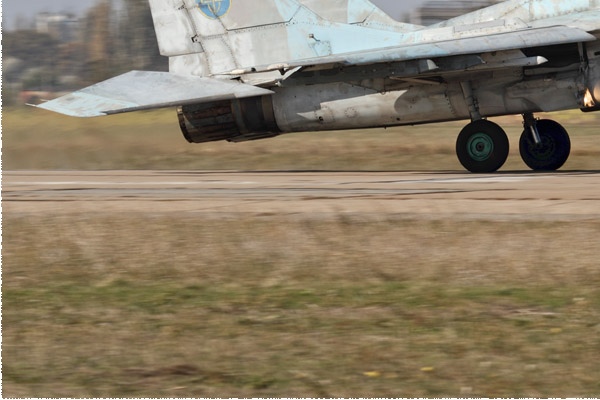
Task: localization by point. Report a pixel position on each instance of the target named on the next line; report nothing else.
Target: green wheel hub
(480, 147)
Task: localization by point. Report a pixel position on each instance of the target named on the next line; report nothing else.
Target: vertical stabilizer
(174, 29)
(212, 37)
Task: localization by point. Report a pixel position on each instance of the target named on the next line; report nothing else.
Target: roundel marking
(214, 9)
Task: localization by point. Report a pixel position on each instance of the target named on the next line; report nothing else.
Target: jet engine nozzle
(232, 120)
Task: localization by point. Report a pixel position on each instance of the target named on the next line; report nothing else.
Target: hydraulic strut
(530, 122)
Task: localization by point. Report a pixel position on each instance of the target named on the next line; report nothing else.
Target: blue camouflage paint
(214, 9)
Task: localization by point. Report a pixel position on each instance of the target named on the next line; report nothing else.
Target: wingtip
(56, 106)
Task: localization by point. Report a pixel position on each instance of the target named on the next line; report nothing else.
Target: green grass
(115, 305)
(37, 139)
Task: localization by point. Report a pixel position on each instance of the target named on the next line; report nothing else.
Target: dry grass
(36, 139)
(116, 305)
(113, 305)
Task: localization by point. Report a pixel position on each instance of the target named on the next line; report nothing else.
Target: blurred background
(54, 47)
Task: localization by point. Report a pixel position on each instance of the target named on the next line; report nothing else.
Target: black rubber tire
(554, 150)
(482, 146)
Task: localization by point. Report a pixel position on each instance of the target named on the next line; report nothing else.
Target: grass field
(180, 305)
(36, 139)
(111, 305)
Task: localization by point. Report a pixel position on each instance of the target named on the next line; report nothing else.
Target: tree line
(111, 40)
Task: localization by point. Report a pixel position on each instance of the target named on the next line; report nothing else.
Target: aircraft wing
(420, 50)
(144, 90)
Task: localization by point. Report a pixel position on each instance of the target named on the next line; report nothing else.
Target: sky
(11, 9)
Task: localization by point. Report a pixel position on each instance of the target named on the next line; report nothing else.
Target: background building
(63, 27)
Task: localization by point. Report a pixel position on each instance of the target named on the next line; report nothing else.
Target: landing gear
(544, 144)
(482, 146)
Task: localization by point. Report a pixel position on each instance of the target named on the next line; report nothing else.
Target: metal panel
(445, 48)
(340, 11)
(259, 13)
(174, 29)
(140, 90)
(541, 9)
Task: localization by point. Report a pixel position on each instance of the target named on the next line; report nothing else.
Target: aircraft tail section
(209, 42)
(213, 37)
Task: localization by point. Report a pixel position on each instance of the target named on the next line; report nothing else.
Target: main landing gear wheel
(482, 146)
(552, 151)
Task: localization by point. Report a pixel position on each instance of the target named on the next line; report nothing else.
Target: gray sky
(11, 9)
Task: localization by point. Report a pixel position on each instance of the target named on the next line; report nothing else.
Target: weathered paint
(282, 30)
(130, 92)
(344, 64)
(302, 32)
(445, 48)
(524, 10)
(357, 12)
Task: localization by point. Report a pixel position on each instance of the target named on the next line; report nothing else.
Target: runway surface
(573, 195)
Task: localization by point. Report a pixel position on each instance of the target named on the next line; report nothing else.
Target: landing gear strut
(482, 146)
(544, 144)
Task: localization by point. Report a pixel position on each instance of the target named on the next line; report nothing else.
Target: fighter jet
(245, 70)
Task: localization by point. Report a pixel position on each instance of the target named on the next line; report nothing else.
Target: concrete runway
(570, 195)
